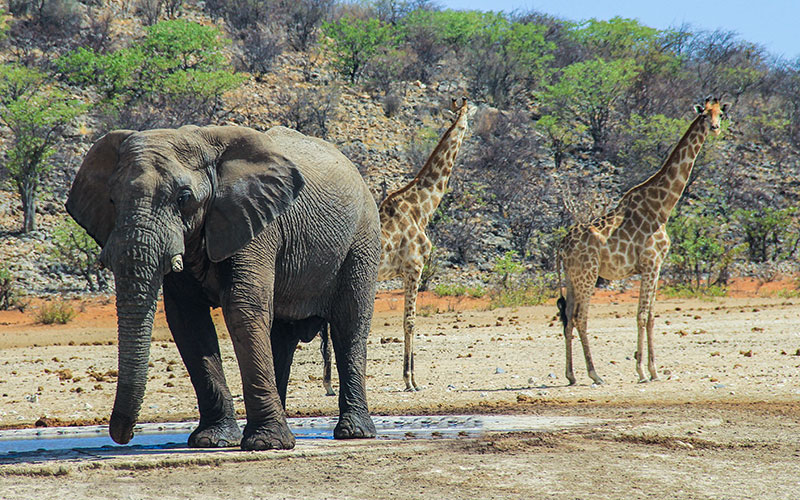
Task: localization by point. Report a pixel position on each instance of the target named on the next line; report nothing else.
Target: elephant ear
(255, 184)
(89, 202)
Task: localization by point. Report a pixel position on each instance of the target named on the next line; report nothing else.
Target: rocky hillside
(509, 192)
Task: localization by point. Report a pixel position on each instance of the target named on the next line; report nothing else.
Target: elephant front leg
(190, 322)
(248, 315)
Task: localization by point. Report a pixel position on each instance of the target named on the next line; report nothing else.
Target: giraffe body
(404, 215)
(630, 239)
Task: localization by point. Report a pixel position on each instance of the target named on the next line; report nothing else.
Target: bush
(303, 21)
(391, 104)
(457, 290)
(260, 47)
(60, 312)
(524, 291)
(9, 294)
(507, 268)
(78, 253)
(702, 249)
(176, 75)
(308, 110)
(149, 11)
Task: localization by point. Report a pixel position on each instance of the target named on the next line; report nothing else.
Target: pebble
(719, 386)
(499, 370)
(552, 375)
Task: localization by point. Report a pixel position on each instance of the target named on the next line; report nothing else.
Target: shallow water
(149, 437)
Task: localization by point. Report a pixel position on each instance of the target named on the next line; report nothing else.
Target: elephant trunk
(138, 273)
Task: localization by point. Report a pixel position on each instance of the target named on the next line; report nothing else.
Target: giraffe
(630, 239)
(404, 214)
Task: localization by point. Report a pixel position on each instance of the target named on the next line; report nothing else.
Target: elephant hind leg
(350, 322)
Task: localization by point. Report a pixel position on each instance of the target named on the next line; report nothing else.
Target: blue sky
(773, 24)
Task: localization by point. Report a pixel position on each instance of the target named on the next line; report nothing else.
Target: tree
(561, 136)
(36, 114)
(352, 42)
(648, 140)
(303, 21)
(505, 58)
(770, 233)
(588, 92)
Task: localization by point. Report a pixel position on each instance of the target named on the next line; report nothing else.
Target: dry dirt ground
(724, 421)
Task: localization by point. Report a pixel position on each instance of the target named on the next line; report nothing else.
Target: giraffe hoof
(409, 389)
(643, 380)
(655, 378)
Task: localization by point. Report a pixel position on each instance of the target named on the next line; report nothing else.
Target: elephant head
(151, 199)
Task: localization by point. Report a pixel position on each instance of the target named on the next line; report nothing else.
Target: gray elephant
(277, 228)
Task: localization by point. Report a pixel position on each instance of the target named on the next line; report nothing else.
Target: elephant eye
(183, 196)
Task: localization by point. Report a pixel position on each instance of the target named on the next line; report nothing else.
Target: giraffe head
(460, 109)
(714, 110)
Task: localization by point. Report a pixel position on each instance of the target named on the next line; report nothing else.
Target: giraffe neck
(664, 188)
(427, 189)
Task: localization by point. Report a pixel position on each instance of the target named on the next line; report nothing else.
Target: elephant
(276, 228)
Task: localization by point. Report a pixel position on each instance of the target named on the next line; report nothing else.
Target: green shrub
(458, 290)
(507, 268)
(531, 291)
(178, 69)
(60, 312)
(702, 247)
(684, 291)
(79, 254)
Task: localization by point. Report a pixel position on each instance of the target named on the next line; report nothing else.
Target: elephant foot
(354, 426)
(220, 435)
(269, 436)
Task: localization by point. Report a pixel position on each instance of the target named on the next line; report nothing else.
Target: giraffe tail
(561, 303)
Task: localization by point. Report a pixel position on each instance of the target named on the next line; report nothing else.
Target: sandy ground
(724, 421)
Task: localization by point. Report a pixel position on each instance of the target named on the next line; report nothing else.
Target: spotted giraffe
(630, 239)
(404, 214)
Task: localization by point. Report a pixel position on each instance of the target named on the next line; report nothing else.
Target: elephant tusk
(177, 263)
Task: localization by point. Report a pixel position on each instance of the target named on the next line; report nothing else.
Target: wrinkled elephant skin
(276, 228)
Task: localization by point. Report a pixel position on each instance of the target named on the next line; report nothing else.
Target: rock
(499, 370)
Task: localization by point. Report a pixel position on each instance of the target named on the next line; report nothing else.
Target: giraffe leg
(583, 288)
(644, 323)
(409, 319)
(569, 325)
(651, 353)
(582, 316)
